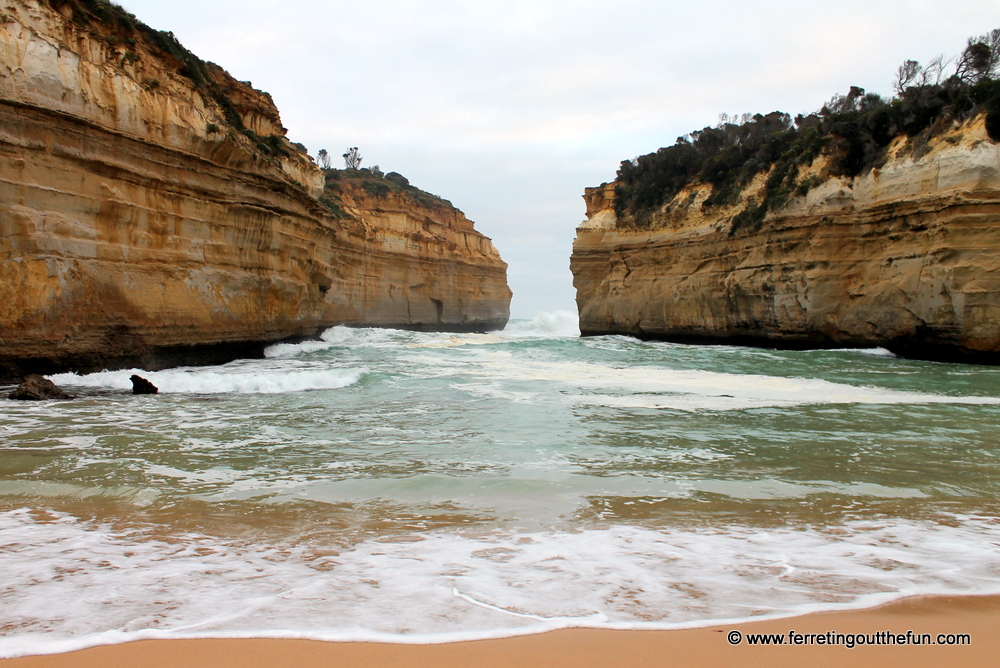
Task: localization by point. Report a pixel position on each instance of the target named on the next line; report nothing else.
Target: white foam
(550, 325)
(557, 324)
(239, 378)
(343, 336)
(679, 389)
(877, 352)
(70, 583)
(451, 341)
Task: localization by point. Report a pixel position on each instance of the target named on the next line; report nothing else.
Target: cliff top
(345, 189)
(213, 114)
(852, 133)
(133, 40)
(379, 184)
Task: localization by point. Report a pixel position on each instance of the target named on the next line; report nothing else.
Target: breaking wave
(220, 379)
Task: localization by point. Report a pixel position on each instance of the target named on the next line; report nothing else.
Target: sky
(510, 109)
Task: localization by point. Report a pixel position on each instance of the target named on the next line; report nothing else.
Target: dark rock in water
(38, 388)
(142, 386)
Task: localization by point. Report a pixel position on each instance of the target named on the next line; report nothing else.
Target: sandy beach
(977, 616)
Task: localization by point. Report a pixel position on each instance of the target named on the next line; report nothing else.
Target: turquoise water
(422, 487)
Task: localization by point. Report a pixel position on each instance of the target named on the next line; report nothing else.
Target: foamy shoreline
(977, 616)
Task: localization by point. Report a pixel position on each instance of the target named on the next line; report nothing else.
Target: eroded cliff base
(13, 369)
(918, 348)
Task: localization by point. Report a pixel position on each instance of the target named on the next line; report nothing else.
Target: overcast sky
(509, 109)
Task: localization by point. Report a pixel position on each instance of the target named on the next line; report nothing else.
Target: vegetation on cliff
(123, 31)
(376, 184)
(853, 130)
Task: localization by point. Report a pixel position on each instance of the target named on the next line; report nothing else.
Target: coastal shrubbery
(376, 184)
(122, 27)
(854, 130)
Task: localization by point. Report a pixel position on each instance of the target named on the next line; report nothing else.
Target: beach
(977, 616)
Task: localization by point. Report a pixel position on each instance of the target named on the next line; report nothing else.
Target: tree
(906, 76)
(324, 159)
(934, 72)
(352, 159)
(981, 58)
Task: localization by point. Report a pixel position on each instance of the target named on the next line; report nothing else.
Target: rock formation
(37, 388)
(153, 213)
(905, 256)
(142, 386)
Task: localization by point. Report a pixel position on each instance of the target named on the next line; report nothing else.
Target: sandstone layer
(152, 213)
(906, 257)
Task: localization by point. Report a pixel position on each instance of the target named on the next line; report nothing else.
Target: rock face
(37, 388)
(153, 213)
(906, 257)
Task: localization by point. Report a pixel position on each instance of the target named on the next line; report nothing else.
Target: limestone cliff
(905, 256)
(152, 212)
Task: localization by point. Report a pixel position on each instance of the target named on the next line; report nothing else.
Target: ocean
(425, 487)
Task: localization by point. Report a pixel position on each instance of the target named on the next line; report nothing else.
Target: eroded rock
(38, 388)
(142, 386)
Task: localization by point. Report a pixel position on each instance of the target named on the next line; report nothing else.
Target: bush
(398, 179)
(376, 188)
(378, 185)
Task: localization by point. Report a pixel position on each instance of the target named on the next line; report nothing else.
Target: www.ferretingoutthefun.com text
(849, 640)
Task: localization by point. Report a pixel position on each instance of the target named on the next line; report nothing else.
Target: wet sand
(978, 616)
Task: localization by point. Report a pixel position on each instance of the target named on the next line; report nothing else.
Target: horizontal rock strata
(148, 220)
(906, 257)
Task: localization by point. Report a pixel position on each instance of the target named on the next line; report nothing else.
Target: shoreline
(977, 616)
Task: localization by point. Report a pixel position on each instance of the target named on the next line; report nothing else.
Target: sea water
(426, 487)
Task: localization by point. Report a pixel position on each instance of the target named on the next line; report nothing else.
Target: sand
(978, 616)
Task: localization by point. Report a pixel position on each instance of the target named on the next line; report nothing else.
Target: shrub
(376, 188)
(378, 185)
(398, 179)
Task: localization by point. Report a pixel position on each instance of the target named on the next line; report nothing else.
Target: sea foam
(548, 324)
(71, 583)
(237, 379)
(665, 388)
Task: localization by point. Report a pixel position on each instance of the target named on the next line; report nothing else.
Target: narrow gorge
(153, 212)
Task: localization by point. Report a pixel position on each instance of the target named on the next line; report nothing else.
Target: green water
(523, 478)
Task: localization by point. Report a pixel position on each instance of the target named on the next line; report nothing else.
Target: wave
(557, 324)
(240, 378)
(343, 336)
(546, 324)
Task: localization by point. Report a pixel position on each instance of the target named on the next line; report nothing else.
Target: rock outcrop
(906, 256)
(153, 213)
(37, 388)
(142, 386)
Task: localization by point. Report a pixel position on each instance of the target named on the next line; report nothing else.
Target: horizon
(510, 111)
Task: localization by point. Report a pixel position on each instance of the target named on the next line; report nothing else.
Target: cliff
(905, 255)
(152, 212)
